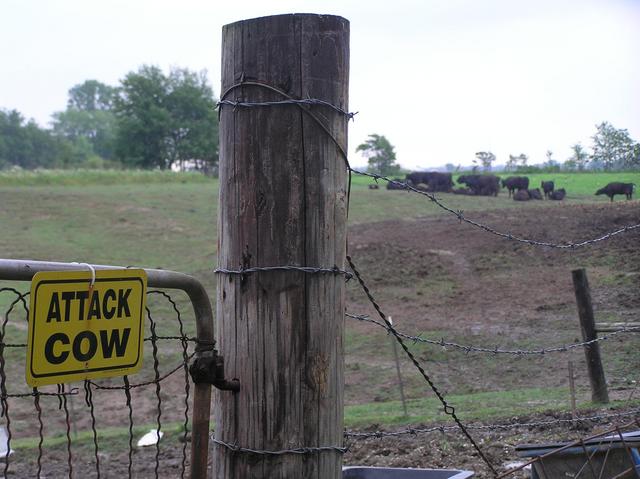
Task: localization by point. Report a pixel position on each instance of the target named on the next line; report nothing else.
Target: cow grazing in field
(521, 195)
(535, 194)
(435, 181)
(558, 195)
(373, 187)
(485, 185)
(396, 184)
(513, 183)
(547, 187)
(616, 188)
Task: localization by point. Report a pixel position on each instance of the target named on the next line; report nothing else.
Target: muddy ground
(443, 279)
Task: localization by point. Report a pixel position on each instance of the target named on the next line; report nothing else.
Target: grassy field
(167, 220)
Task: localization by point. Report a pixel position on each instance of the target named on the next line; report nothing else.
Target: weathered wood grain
(282, 202)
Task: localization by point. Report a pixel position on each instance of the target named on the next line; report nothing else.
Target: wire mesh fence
(97, 427)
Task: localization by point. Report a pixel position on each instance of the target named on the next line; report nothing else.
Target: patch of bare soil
(438, 275)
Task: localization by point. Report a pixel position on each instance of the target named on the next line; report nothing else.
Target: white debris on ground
(151, 438)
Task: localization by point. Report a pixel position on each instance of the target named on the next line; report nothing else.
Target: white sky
(440, 79)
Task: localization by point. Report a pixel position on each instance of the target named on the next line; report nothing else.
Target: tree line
(612, 149)
(150, 120)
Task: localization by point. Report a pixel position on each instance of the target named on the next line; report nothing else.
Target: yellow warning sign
(79, 330)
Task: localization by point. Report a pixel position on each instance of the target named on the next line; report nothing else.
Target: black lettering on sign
(48, 348)
(81, 296)
(54, 309)
(109, 343)
(107, 312)
(123, 302)
(67, 296)
(77, 346)
(94, 307)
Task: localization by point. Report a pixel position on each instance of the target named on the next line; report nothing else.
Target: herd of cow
(489, 185)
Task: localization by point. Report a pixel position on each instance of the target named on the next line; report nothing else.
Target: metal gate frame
(207, 368)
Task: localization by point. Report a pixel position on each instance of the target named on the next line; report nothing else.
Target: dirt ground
(433, 274)
(450, 280)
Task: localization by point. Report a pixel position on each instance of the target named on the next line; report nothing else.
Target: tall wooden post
(283, 201)
(588, 327)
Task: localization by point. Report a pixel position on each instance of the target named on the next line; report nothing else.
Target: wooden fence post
(599, 392)
(283, 201)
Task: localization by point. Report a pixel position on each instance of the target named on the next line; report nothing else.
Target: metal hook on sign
(93, 272)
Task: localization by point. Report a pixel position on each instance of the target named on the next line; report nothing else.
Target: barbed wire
(459, 214)
(448, 409)
(478, 349)
(488, 427)
(297, 450)
(305, 101)
(303, 269)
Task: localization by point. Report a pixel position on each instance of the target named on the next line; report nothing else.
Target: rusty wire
(478, 349)
(281, 452)
(305, 101)
(303, 269)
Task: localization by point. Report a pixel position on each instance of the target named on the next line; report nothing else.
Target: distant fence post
(599, 392)
(283, 202)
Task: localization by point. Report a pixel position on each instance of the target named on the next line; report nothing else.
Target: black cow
(547, 187)
(558, 195)
(521, 195)
(535, 194)
(513, 183)
(436, 181)
(397, 184)
(616, 188)
(484, 185)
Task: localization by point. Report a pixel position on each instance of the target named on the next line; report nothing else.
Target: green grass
(162, 219)
(482, 406)
(96, 177)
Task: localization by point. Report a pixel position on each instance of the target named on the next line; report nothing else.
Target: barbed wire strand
(457, 213)
(448, 409)
(304, 269)
(305, 101)
(297, 450)
(495, 351)
(460, 215)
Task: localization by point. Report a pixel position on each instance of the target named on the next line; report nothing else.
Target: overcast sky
(440, 79)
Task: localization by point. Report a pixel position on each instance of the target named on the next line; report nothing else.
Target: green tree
(613, 148)
(512, 164)
(380, 154)
(579, 157)
(486, 159)
(165, 120)
(24, 144)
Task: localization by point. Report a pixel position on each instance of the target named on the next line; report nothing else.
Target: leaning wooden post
(283, 201)
(599, 392)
